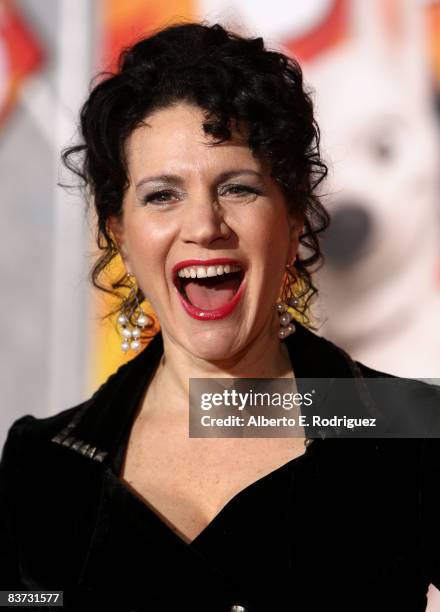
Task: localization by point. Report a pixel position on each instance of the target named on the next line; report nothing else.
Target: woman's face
(192, 209)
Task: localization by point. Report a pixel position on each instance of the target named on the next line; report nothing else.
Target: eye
(160, 197)
(237, 190)
(382, 149)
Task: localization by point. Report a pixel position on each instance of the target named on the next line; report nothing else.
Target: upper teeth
(204, 271)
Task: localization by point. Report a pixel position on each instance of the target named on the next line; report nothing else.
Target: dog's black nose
(346, 239)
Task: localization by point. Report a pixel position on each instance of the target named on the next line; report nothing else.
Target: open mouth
(209, 287)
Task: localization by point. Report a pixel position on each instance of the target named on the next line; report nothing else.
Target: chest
(188, 481)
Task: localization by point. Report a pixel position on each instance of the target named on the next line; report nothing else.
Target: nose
(350, 230)
(204, 221)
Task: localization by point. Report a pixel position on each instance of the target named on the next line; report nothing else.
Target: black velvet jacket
(350, 525)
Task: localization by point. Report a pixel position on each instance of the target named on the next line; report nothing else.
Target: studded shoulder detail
(65, 438)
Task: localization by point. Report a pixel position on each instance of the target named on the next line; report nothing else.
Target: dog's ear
(394, 32)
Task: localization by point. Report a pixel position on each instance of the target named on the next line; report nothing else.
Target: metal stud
(58, 438)
(77, 444)
(68, 441)
(84, 448)
(100, 456)
(91, 451)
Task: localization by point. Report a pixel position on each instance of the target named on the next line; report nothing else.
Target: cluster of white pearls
(287, 326)
(131, 335)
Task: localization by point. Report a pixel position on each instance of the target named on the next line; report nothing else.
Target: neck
(265, 356)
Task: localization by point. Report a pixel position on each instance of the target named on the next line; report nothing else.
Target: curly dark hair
(233, 79)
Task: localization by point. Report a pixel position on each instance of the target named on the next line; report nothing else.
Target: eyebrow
(178, 180)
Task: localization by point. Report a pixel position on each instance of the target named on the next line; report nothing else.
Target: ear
(296, 228)
(115, 227)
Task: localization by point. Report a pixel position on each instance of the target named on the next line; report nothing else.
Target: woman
(202, 156)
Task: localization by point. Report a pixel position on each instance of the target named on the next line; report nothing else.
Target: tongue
(212, 293)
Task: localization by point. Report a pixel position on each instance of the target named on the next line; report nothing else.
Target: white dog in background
(381, 283)
(380, 287)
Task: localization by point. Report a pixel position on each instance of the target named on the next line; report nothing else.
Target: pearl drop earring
(287, 300)
(286, 318)
(131, 333)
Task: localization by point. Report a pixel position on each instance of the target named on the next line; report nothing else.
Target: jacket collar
(100, 424)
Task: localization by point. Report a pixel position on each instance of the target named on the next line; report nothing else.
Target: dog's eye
(382, 148)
